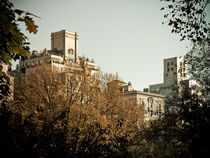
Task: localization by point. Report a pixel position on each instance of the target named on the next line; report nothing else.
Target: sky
(123, 36)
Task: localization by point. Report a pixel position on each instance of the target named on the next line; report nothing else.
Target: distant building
(175, 72)
(154, 104)
(63, 57)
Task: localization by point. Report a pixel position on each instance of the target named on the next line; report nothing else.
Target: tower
(67, 42)
(175, 70)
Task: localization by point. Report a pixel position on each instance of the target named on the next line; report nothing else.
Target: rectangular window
(159, 111)
(172, 63)
(168, 69)
(151, 113)
(151, 105)
(159, 107)
(23, 70)
(172, 69)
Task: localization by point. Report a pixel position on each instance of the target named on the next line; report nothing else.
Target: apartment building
(63, 56)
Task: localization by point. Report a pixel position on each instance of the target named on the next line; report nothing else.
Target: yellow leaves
(12, 28)
(30, 25)
(96, 117)
(16, 50)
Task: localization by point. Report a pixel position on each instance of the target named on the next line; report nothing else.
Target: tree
(69, 115)
(198, 60)
(13, 43)
(187, 18)
(182, 132)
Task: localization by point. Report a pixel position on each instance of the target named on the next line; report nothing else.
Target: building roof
(135, 92)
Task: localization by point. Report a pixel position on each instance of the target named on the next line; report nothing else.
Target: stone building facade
(175, 72)
(154, 104)
(63, 57)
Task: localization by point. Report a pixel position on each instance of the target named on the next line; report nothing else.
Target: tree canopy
(187, 18)
(70, 115)
(183, 131)
(13, 43)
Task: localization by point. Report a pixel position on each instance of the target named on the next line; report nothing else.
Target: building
(154, 104)
(175, 72)
(63, 57)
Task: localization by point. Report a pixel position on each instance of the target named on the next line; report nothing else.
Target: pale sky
(124, 36)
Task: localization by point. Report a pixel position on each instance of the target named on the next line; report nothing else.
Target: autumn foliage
(71, 115)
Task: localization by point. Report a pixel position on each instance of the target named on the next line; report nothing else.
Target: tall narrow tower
(175, 70)
(67, 42)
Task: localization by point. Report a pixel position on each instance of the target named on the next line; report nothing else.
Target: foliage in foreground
(184, 130)
(67, 116)
(13, 43)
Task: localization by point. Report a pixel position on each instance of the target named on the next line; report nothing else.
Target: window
(150, 104)
(168, 64)
(159, 111)
(168, 69)
(159, 107)
(172, 69)
(166, 75)
(151, 113)
(23, 70)
(172, 63)
(140, 101)
(174, 73)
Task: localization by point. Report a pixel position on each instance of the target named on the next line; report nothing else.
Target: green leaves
(13, 43)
